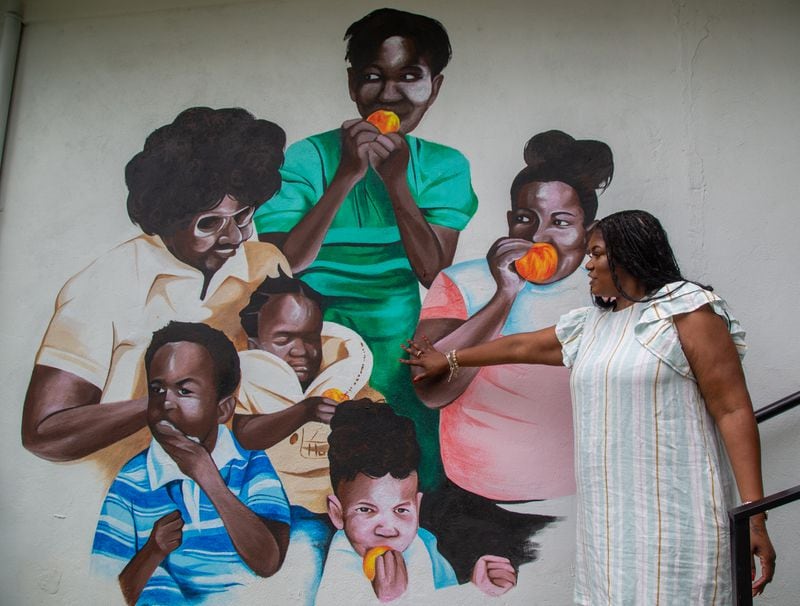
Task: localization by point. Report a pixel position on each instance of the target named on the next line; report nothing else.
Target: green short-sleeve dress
(362, 268)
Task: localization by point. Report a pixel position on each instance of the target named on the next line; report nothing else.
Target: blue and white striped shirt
(148, 487)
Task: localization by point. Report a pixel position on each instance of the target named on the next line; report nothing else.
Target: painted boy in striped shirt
(195, 514)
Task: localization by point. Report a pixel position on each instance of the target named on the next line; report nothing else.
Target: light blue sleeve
(443, 573)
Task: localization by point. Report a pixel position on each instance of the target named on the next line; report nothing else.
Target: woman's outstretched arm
(539, 347)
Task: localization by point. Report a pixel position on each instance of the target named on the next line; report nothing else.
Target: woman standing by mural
(365, 217)
(662, 414)
(193, 190)
(506, 432)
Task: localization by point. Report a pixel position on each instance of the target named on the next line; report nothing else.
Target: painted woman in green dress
(365, 217)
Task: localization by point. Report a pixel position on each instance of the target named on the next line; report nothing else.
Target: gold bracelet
(452, 362)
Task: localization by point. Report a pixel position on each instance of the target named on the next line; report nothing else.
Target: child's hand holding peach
(319, 408)
(391, 576)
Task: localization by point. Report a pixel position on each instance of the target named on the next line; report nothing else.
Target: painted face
(378, 511)
(551, 212)
(183, 390)
(398, 79)
(213, 236)
(290, 327)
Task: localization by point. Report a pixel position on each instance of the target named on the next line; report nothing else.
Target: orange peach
(385, 121)
(335, 394)
(539, 263)
(370, 557)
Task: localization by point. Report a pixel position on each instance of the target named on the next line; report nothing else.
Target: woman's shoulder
(656, 330)
(680, 298)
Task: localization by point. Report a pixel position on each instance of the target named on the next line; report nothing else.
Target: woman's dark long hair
(636, 241)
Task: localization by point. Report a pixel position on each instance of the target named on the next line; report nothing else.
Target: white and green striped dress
(654, 482)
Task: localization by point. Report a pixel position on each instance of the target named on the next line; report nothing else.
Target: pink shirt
(509, 435)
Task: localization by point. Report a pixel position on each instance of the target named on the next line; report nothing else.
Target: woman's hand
(761, 547)
(357, 140)
(389, 155)
(426, 356)
(501, 257)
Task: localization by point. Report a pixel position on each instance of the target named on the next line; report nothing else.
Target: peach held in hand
(385, 121)
(539, 263)
(337, 395)
(370, 557)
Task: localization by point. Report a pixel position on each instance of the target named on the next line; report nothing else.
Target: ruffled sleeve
(569, 330)
(656, 328)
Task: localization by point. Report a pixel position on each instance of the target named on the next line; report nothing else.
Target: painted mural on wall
(234, 368)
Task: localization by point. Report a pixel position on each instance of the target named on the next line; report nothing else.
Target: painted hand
(167, 534)
(423, 354)
(389, 155)
(501, 257)
(494, 575)
(391, 576)
(192, 458)
(319, 408)
(357, 139)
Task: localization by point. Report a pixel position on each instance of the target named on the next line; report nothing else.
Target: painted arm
(715, 363)
(448, 334)
(261, 543)
(302, 243)
(63, 420)
(166, 536)
(429, 248)
(261, 431)
(539, 347)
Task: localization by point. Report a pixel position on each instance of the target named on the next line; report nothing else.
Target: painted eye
(182, 391)
(156, 389)
(522, 219)
(561, 223)
(364, 509)
(244, 216)
(410, 77)
(371, 77)
(210, 225)
(402, 510)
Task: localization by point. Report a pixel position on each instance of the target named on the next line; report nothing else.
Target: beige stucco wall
(697, 99)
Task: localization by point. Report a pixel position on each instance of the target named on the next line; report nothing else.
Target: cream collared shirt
(105, 315)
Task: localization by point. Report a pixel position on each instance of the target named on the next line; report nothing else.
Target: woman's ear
(225, 409)
(252, 344)
(436, 84)
(335, 512)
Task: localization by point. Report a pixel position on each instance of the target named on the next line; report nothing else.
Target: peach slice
(385, 121)
(337, 395)
(539, 263)
(370, 557)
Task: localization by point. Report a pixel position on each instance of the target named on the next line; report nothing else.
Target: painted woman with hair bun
(506, 432)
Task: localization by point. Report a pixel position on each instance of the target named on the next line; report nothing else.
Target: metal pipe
(9, 49)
